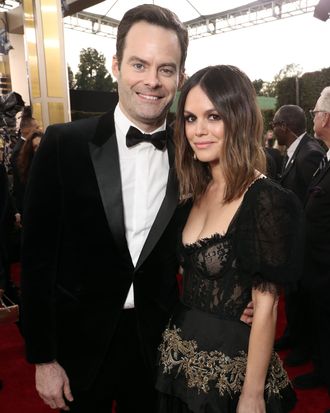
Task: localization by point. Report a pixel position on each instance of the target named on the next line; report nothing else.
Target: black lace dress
(203, 353)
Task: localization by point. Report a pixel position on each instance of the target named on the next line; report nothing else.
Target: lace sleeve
(270, 236)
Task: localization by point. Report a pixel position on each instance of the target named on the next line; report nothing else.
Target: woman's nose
(201, 128)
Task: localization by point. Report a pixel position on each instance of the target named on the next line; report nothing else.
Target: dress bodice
(256, 252)
(211, 282)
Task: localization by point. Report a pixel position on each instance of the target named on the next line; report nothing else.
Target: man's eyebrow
(140, 60)
(136, 58)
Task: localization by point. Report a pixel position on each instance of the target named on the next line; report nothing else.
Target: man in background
(303, 155)
(316, 278)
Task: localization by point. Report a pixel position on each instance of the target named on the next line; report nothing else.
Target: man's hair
(323, 103)
(157, 16)
(234, 98)
(294, 117)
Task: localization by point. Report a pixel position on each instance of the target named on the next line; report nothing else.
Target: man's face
(149, 74)
(320, 121)
(279, 129)
(318, 124)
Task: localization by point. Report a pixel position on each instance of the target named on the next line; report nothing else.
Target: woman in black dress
(242, 240)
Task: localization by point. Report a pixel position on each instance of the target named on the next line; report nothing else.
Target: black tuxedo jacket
(18, 185)
(304, 162)
(317, 211)
(76, 266)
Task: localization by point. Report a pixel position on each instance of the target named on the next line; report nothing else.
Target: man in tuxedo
(303, 155)
(317, 259)
(98, 259)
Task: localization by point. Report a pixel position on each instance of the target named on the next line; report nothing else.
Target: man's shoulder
(310, 145)
(79, 126)
(82, 130)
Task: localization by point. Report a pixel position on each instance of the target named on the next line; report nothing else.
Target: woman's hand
(251, 404)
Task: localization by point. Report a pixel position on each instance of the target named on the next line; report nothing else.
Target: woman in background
(242, 240)
(28, 126)
(26, 155)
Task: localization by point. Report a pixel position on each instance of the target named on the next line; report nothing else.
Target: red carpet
(19, 396)
(309, 401)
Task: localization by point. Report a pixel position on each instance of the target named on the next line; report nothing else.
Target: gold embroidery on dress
(202, 367)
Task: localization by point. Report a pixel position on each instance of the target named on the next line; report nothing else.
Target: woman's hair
(25, 156)
(26, 117)
(234, 98)
(157, 16)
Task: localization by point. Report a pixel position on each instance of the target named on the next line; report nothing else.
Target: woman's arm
(259, 353)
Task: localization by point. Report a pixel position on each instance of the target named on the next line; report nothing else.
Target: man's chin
(153, 117)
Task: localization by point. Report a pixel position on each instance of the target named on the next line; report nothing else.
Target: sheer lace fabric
(258, 251)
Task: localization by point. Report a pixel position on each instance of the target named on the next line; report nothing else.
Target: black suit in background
(317, 267)
(274, 162)
(4, 202)
(297, 176)
(18, 186)
(74, 289)
(6, 227)
(299, 171)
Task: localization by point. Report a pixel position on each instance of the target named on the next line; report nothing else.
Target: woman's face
(204, 127)
(30, 129)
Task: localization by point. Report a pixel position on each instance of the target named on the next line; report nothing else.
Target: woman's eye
(189, 118)
(215, 116)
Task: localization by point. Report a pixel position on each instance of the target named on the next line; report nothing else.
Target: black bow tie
(134, 136)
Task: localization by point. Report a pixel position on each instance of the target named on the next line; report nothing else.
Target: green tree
(92, 73)
(290, 70)
(258, 85)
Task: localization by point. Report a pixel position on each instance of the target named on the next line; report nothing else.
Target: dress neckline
(218, 235)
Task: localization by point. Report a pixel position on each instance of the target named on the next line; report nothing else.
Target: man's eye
(167, 71)
(138, 66)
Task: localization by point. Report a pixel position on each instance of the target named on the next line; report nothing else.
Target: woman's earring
(195, 157)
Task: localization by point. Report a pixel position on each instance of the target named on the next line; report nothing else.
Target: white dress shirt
(144, 174)
(293, 147)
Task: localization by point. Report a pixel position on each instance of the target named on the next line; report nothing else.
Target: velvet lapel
(167, 208)
(293, 158)
(105, 158)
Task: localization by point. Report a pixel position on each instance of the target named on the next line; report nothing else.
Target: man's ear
(115, 66)
(182, 78)
(326, 119)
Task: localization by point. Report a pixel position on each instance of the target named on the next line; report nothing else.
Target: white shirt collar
(328, 154)
(123, 123)
(294, 145)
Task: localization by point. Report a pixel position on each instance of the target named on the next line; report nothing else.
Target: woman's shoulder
(266, 193)
(266, 186)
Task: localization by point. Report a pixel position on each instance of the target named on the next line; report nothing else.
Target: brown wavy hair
(234, 98)
(25, 156)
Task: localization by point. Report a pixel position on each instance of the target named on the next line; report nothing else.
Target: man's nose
(152, 78)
